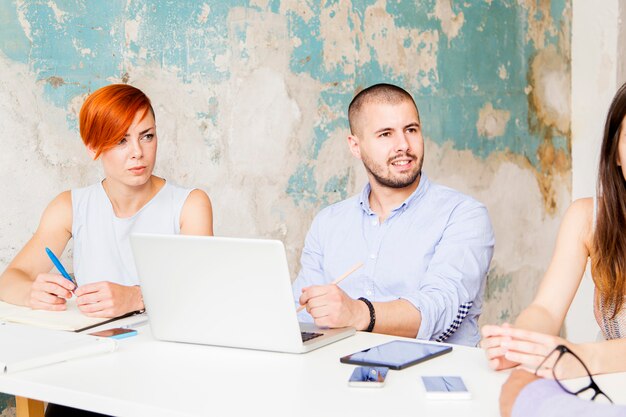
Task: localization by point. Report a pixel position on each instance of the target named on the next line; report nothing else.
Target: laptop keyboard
(306, 336)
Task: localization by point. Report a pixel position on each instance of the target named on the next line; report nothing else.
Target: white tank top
(102, 240)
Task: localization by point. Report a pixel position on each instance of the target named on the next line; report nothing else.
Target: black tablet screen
(397, 354)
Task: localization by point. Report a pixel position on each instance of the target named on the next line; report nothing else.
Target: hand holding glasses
(565, 364)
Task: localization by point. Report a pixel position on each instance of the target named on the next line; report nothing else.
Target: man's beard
(401, 181)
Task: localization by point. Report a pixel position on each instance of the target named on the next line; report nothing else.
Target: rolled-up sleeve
(455, 276)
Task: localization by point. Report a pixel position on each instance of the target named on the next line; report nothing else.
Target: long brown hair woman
(592, 228)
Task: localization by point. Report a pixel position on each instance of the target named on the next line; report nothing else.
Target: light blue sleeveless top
(102, 240)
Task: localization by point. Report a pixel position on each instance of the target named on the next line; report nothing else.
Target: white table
(146, 377)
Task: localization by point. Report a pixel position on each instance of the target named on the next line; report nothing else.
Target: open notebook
(71, 319)
(26, 347)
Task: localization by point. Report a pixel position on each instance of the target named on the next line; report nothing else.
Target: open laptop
(223, 291)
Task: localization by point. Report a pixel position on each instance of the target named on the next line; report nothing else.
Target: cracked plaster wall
(251, 97)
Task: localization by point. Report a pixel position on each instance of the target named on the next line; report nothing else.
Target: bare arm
(604, 357)
(557, 289)
(530, 348)
(559, 285)
(196, 217)
(331, 307)
(27, 280)
(398, 318)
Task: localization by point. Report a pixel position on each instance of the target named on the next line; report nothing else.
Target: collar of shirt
(364, 201)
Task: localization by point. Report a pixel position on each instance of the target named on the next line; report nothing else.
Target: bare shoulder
(197, 214)
(199, 198)
(58, 213)
(580, 207)
(63, 201)
(581, 210)
(579, 217)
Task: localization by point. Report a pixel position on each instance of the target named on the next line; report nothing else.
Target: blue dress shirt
(433, 250)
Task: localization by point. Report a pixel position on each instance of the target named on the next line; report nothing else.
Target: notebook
(26, 347)
(70, 319)
(223, 291)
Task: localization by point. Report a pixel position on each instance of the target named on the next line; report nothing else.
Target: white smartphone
(368, 376)
(445, 388)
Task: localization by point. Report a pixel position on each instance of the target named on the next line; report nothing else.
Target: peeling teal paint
(91, 44)
(171, 35)
(557, 8)
(335, 189)
(302, 186)
(496, 285)
(13, 40)
(307, 58)
(274, 6)
(505, 316)
(337, 101)
(405, 13)
(55, 47)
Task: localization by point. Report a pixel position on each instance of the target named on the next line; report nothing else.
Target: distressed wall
(251, 97)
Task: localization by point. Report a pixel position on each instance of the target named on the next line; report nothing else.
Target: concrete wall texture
(251, 97)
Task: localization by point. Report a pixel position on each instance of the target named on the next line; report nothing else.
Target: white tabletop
(145, 377)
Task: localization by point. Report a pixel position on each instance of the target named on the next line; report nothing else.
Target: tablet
(397, 354)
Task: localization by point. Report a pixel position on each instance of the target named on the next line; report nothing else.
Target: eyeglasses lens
(573, 377)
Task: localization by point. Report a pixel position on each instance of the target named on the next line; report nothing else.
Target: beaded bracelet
(372, 314)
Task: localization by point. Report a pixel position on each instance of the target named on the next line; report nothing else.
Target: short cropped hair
(377, 93)
(107, 114)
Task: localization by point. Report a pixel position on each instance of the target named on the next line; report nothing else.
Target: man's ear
(353, 144)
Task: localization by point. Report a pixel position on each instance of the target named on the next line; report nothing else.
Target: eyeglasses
(567, 364)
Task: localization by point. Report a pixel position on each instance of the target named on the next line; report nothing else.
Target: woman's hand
(106, 299)
(49, 292)
(530, 349)
(492, 343)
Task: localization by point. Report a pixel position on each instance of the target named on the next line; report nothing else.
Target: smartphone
(397, 354)
(368, 376)
(445, 388)
(116, 333)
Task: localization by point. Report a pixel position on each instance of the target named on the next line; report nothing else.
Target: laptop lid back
(217, 291)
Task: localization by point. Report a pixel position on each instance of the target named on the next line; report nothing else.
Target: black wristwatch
(370, 307)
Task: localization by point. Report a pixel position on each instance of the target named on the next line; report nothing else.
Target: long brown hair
(608, 255)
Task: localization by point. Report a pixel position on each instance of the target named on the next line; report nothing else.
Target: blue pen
(59, 266)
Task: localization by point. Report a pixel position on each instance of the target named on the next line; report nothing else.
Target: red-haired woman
(592, 228)
(117, 125)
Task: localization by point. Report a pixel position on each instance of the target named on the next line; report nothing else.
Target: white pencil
(337, 281)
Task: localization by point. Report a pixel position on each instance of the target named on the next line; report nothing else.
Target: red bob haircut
(107, 114)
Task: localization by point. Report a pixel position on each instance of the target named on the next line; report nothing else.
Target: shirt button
(368, 292)
(374, 222)
(373, 256)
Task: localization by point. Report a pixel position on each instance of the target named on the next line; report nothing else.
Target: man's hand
(511, 389)
(331, 307)
(106, 299)
(49, 292)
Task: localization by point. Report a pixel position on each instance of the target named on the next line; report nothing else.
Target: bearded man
(425, 248)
